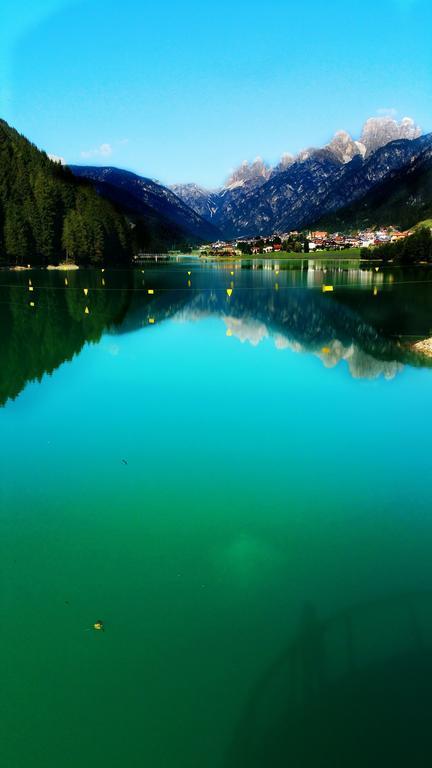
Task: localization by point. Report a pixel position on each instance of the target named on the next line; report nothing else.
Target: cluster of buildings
(319, 241)
(306, 242)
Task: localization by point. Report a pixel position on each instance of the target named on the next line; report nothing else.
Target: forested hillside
(402, 200)
(47, 215)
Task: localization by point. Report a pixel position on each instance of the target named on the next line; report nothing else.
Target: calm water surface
(239, 487)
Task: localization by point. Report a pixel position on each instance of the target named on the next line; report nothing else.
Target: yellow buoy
(31, 288)
(98, 625)
(189, 273)
(229, 332)
(86, 311)
(31, 304)
(103, 270)
(85, 291)
(229, 291)
(150, 291)
(325, 350)
(151, 320)
(232, 272)
(327, 288)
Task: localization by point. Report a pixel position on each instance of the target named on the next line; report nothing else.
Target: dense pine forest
(47, 215)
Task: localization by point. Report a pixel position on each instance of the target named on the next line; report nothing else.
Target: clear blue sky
(182, 90)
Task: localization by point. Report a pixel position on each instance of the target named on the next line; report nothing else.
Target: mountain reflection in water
(252, 527)
(367, 321)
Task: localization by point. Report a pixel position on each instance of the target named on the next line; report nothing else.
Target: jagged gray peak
(286, 160)
(298, 190)
(342, 148)
(205, 202)
(312, 188)
(379, 131)
(257, 172)
(376, 133)
(345, 148)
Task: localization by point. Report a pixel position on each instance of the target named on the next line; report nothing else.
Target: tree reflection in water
(370, 332)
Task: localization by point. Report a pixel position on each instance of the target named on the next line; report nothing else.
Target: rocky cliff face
(319, 185)
(255, 173)
(205, 202)
(379, 131)
(344, 148)
(299, 190)
(284, 163)
(402, 198)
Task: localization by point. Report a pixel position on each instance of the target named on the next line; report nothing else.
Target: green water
(240, 490)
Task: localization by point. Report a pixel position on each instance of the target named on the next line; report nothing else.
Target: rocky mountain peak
(344, 148)
(379, 131)
(299, 190)
(376, 133)
(257, 171)
(286, 160)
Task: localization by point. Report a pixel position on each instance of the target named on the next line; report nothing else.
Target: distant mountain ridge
(93, 214)
(50, 212)
(402, 199)
(258, 199)
(141, 195)
(320, 185)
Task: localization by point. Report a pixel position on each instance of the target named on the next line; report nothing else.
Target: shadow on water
(354, 690)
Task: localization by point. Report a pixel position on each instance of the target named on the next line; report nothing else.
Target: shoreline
(321, 256)
(423, 347)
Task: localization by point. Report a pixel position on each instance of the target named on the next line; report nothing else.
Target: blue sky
(184, 91)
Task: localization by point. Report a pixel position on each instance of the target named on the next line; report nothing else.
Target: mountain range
(137, 195)
(299, 191)
(50, 212)
(96, 214)
(381, 178)
(403, 198)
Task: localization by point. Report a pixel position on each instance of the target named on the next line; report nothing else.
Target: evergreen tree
(46, 214)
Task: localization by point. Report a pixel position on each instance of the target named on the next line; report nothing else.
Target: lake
(230, 468)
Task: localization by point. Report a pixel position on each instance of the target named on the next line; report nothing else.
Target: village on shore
(301, 242)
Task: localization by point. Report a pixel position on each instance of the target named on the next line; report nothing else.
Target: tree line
(411, 250)
(293, 244)
(47, 215)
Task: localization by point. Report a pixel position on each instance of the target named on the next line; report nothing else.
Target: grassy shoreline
(347, 255)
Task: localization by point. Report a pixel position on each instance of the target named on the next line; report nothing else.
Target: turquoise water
(227, 487)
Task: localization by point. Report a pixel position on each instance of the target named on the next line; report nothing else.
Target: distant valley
(92, 214)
